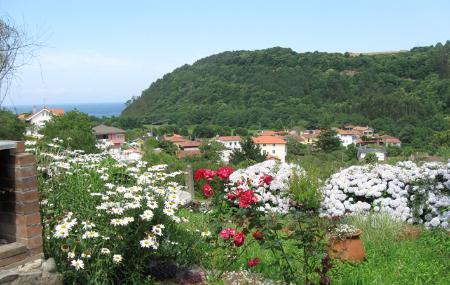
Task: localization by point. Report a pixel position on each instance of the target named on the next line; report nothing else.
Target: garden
(107, 222)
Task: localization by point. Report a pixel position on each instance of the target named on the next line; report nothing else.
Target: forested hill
(277, 87)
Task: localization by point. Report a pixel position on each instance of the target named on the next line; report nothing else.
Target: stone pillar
(189, 180)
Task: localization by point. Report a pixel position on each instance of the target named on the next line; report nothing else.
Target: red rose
(253, 262)
(267, 179)
(207, 190)
(224, 172)
(199, 174)
(258, 235)
(227, 233)
(231, 195)
(246, 198)
(239, 239)
(208, 174)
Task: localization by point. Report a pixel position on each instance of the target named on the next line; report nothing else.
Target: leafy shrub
(122, 217)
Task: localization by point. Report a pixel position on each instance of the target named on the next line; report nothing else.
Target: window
(273, 151)
(264, 144)
(273, 145)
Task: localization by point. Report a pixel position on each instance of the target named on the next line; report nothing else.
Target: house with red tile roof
(273, 146)
(38, 119)
(347, 137)
(230, 143)
(186, 146)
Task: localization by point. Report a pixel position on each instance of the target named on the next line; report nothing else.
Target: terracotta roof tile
(268, 140)
(229, 138)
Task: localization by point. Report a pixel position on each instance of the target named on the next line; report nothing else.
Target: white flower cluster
(275, 197)
(396, 190)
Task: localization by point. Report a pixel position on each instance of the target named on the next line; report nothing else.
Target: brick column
(28, 217)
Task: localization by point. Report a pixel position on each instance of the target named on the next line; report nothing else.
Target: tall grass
(417, 260)
(376, 227)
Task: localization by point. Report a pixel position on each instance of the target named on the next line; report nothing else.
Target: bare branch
(16, 50)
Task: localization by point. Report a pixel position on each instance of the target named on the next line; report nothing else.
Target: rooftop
(229, 138)
(175, 138)
(187, 144)
(268, 140)
(105, 130)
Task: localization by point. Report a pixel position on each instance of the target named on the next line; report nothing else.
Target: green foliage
(239, 131)
(305, 191)
(248, 152)
(168, 147)
(406, 94)
(75, 128)
(351, 152)
(296, 148)
(133, 134)
(370, 158)
(392, 260)
(11, 128)
(328, 141)
(393, 151)
(211, 150)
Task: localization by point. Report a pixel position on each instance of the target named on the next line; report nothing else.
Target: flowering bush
(246, 212)
(269, 181)
(104, 220)
(343, 231)
(416, 194)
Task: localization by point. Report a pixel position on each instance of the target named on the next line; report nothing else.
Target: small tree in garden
(11, 128)
(74, 128)
(371, 158)
(328, 141)
(248, 152)
(211, 150)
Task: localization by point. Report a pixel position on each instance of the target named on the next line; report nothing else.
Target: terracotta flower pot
(348, 249)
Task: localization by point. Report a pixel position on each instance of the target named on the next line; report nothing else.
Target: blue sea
(93, 109)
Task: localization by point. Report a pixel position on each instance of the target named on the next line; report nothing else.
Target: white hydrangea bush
(411, 193)
(275, 198)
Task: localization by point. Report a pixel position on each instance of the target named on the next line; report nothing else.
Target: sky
(108, 51)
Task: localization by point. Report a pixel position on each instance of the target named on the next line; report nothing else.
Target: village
(272, 143)
(224, 142)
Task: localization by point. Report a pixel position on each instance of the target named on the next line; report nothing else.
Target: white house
(380, 153)
(40, 118)
(347, 137)
(273, 146)
(231, 143)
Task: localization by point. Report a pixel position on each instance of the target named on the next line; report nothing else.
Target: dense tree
(203, 131)
(328, 141)
(74, 128)
(11, 128)
(168, 147)
(295, 147)
(211, 150)
(239, 131)
(370, 158)
(248, 152)
(400, 93)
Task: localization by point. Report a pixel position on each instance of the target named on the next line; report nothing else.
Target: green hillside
(403, 93)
